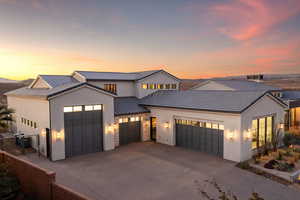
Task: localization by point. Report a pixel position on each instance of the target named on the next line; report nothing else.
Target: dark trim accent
(234, 112)
(133, 113)
(50, 130)
(210, 110)
(294, 104)
(266, 93)
(79, 85)
(111, 80)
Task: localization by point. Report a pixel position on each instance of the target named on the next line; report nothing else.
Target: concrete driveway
(154, 171)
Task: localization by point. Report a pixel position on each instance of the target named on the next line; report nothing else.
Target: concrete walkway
(154, 171)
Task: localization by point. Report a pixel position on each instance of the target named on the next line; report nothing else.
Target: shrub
(279, 157)
(285, 167)
(243, 165)
(290, 139)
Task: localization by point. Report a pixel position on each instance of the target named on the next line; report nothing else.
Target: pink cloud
(247, 19)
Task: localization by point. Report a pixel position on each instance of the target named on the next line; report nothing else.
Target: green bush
(243, 165)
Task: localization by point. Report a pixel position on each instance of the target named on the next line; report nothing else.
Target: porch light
(248, 135)
(166, 124)
(110, 128)
(230, 135)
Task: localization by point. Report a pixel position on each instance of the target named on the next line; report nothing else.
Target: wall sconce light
(166, 124)
(58, 136)
(248, 135)
(230, 135)
(281, 126)
(110, 128)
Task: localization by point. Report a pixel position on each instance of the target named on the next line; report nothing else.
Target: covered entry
(83, 129)
(129, 130)
(200, 136)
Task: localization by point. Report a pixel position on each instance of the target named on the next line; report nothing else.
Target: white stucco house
(89, 112)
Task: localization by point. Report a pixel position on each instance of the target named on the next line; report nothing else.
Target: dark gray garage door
(83, 132)
(130, 132)
(197, 136)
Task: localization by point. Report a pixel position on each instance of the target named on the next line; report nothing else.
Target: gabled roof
(48, 93)
(55, 80)
(128, 105)
(58, 80)
(118, 76)
(217, 101)
(241, 85)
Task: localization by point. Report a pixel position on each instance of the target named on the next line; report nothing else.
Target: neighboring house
(99, 111)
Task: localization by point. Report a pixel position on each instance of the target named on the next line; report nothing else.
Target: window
(97, 107)
(262, 131)
(77, 108)
(152, 86)
(254, 133)
(111, 88)
(208, 125)
(34, 125)
(167, 86)
(161, 86)
(174, 86)
(68, 109)
(88, 108)
(215, 126)
(145, 86)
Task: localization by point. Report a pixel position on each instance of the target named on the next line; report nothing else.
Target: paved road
(144, 171)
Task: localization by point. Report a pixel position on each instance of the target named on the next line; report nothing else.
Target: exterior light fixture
(167, 124)
(248, 135)
(230, 135)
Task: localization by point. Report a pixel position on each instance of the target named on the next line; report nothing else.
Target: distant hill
(7, 85)
(284, 81)
(4, 80)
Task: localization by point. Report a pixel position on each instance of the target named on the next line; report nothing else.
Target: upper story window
(159, 86)
(111, 88)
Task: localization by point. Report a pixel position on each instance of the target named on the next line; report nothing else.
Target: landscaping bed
(282, 165)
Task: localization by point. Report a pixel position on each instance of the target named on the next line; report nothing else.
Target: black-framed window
(111, 87)
(262, 131)
(174, 86)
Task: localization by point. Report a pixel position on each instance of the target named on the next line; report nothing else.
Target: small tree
(276, 138)
(5, 116)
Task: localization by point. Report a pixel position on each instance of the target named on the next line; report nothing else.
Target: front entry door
(153, 128)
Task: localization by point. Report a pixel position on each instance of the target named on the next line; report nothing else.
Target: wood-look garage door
(200, 136)
(83, 130)
(130, 131)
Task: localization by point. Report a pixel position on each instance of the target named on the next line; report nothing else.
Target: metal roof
(219, 101)
(130, 76)
(128, 105)
(243, 85)
(291, 94)
(46, 93)
(58, 80)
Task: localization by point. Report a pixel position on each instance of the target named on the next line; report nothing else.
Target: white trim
(76, 72)
(161, 71)
(34, 82)
(80, 87)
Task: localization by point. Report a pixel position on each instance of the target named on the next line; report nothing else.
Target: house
(89, 112)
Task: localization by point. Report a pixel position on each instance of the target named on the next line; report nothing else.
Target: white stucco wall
(80, 96)
(158, 78)
(36, 110)
(231, 122)
(124, 88)
(145, 127)
(211, 85)
(262, 108)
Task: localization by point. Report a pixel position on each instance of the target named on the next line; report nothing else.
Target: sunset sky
(189, 38)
